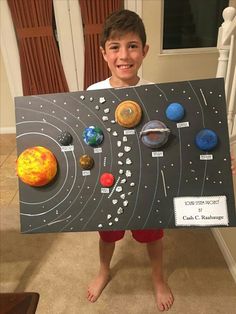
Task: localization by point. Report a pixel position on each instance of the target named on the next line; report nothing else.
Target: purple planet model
(154, 134)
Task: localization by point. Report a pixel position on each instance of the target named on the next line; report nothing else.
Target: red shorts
(142, 236)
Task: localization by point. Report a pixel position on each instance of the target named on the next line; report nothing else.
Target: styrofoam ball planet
(86, 162)
(107, 179)
(93, 136)
(65, 138)
(36, 166)
(175, 112)
(206, 139)
(154, 134)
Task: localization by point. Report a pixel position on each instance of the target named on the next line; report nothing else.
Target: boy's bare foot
(164, 296)
(97, 285)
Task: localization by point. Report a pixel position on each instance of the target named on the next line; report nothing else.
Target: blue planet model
(206, 139)
(175, 112)
(93, 136)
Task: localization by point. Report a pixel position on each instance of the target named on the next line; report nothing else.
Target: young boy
(123, 46)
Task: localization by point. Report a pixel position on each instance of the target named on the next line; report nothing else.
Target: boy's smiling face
(124, 56)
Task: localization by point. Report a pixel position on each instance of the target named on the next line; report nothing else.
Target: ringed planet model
(154, 134)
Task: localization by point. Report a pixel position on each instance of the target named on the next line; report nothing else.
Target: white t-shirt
(106, 84)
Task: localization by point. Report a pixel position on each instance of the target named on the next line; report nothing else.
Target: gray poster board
(174, 186)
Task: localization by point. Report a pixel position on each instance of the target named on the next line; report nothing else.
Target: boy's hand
(233, 165)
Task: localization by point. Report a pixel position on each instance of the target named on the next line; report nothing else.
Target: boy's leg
(164, 296)
(106, 250)
(153, 239)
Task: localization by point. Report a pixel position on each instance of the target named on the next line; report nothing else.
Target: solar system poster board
(174, 186)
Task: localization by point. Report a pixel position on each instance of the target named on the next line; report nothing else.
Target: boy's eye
(133, 46)
(115, 47)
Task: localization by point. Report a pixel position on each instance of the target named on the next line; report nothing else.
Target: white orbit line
(86, 107)
(47, 211)
(38, 121)
(154, 195)
(139, 182)
(141, 103)
(205, 168)
(144, 132)
(94, 212)
(45, 225)
(203, 122)
(36, 203)
(111, 92)
(180, 161)
(164, 183)
(156, 85)
(180, 176)
(203, 96)
(94, 114)
(82, 209)
(57, 221)
(204, 178)
(45, 122)
(55, 118)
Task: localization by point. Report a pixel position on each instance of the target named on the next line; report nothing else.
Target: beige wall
(7, 113)
(175, 67)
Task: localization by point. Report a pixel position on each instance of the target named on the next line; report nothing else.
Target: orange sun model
(36, 166)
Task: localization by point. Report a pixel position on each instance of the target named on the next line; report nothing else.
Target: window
(192, 23)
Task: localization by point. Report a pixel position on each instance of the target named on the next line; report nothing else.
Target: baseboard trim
(8, 130)
(225, 251)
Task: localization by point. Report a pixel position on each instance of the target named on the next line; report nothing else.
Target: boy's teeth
(124, 66)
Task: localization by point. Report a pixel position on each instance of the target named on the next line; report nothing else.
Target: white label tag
(201, 211)
(157, 154)
(105, 190)
(69, 148)
(86, 173)
(206, 157)
(97, 150)
(129, 132)
(183, 125)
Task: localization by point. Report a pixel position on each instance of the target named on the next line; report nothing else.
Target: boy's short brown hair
(120, 23)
